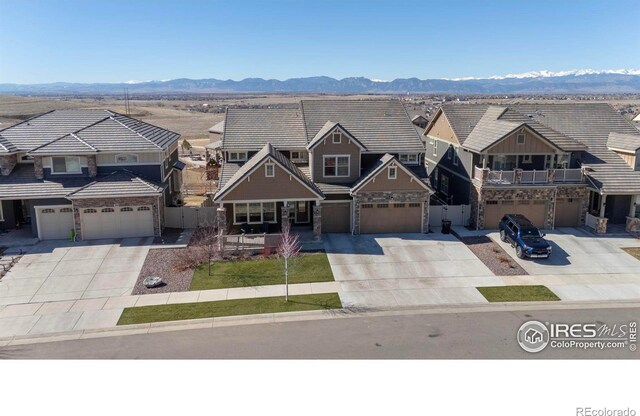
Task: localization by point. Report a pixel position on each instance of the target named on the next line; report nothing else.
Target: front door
(299, 212)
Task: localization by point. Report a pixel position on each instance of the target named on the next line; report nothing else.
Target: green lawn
(238, 273)
(517, 293)
(181, 311)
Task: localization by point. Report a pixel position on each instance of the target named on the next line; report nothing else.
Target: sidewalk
(84, 314)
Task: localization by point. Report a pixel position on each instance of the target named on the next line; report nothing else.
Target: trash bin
(446, 226)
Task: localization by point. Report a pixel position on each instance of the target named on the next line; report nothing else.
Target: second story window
(269, 170)
(237, 156)
(393, 172)
(444, 185)
(125, 159)
(408, 159)
(298, 156)
(336, 166)
(337, 138)
(520, 139)
(449, 152)
(66, 164)
(455, 157)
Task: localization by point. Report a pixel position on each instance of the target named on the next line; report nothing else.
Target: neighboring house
(336, 165)
(557, 164)
(420, 121)
(212, 149)
(637, 118)
(100, 173)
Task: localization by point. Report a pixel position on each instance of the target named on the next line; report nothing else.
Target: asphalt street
(478, 334)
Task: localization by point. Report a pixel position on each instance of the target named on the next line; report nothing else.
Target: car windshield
(530, 233)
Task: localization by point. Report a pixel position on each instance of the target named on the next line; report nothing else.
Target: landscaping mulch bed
(493, 256)
(160, 262)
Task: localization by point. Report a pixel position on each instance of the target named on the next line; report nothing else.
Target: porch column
(603, 199)
(484, 161)
(285, 217)
(317, 221)
(221, 220)
(632, 207)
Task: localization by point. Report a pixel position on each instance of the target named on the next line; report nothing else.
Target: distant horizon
(45, 41)
(529, 74)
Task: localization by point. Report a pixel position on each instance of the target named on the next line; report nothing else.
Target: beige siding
(442, 129)
(328, 148)
(630, 159)
(381, 182)
(143, 158)
(532, 144)
(257, 186)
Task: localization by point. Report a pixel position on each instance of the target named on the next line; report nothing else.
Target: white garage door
(54, 223)
(117, 222)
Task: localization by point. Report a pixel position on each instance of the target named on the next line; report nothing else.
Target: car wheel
(503, 236)
(519, 252)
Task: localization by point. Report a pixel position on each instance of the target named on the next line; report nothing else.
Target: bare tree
(208, 238)
(288, 247)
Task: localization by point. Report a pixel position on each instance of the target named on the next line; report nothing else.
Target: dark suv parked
(524, 236)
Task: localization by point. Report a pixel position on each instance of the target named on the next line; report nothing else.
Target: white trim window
(336, 166)
(336, 138)
(298, 156)
(435, 148)
(444, 185)
(408, 158)
(455, 156)
(436, 178)
(392, 172)
(254, 212)
(1, 213)
(520, 139)
(126, 159)
(269, 170)
(237, 156)
(526, 159)
(65, 164)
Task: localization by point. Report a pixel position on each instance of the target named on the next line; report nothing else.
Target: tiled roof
(489, 129)
(22, 183)
(252, 129)
(380, 125)
(217, 128)
(102, 129)
(628, 142)
(120, 183)
(6, 146)
(268, 151)
(68, 144)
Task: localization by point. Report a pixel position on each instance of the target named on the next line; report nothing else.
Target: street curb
(284, 317)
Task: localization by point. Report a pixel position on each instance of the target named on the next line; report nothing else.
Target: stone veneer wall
(479, 196)
(114, 202)
(38, 170)
(317, 221)
(390, 197)
(7, 163)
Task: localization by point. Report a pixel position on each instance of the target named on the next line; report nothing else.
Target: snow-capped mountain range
(582, 81)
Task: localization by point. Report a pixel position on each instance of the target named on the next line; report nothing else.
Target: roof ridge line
(132, 130)
(82, 141)
(304, 122)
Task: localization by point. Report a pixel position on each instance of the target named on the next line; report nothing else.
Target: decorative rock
(152, 281)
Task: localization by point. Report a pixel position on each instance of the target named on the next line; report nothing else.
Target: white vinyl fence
(591, 221)
(188, 217)
(457, 214)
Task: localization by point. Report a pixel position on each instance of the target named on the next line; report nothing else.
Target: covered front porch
(613, 213)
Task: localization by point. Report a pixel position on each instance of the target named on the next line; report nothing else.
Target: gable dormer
(334, 155)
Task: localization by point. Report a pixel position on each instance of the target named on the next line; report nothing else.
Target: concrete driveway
(59, 270)
(583, 267)
(391, 270)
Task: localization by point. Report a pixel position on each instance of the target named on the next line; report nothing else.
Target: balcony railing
(527, 177)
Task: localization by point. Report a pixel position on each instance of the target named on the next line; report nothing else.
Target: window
(254, 212)
(297, 156)
(444, 185)
(414, 205)
(435, 178)
(144, 209)
(126, 209)
(392, 173)
(125, 159)
(520, 139)
(66, 210)
(383, 205)
(48, 211)
(398, 205)
(449, 152)
(435, 148)
(409, 159)
(364, 206)
(237, 156)
(455, 157)
(90, 211)
(269, 170)
(108, 210)
(336, 166)
(337, 138)
(66, 164)
(526, 159)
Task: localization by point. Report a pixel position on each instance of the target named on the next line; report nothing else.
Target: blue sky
(115, 41)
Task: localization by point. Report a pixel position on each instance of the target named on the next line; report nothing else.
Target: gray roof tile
(120, 183)
(22, 183)
(252, 129)
(68, 144)
(628, 142)
(328, 127)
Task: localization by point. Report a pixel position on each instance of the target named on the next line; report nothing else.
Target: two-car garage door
(391, 218)
(117, 222)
